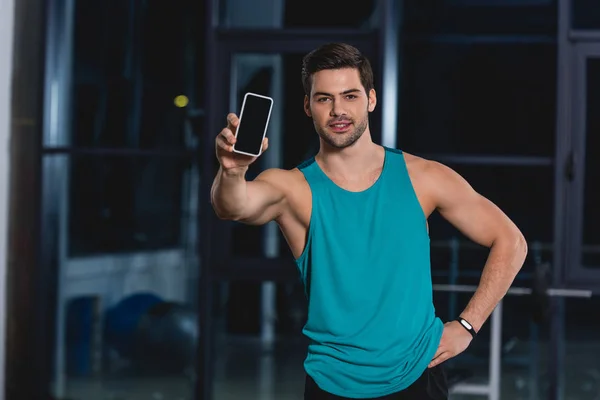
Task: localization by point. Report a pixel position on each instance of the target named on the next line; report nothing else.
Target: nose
(337, 109)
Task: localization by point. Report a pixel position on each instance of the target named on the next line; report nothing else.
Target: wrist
(473, 319)
(234, 172)
(466, 325)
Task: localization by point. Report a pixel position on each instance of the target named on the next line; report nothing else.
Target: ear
(307, 106)
(372, 100)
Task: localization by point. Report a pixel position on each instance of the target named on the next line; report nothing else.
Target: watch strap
(467, 325)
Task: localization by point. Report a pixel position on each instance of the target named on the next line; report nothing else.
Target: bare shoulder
(297, 204)
(429, 172)
(416, 165)
(435, 182)
(286, 180)
(278, 176)
(426, 172)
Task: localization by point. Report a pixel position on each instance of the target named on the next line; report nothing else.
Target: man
(355, 218)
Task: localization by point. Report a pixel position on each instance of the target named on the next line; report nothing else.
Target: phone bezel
(266, 124)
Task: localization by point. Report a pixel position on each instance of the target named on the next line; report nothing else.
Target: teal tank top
(371, 324)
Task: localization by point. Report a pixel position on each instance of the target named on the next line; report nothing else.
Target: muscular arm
(256, 202)
(484, 223)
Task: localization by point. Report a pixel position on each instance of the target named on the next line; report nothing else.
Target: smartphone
(253, 123)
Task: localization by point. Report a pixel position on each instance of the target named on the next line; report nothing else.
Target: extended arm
(256, 202)
(232, 197)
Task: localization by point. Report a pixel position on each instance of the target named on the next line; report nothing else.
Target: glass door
(583, 252)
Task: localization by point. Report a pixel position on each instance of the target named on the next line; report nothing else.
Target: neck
(355, 160)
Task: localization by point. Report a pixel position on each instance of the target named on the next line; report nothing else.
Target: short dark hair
(336, 56)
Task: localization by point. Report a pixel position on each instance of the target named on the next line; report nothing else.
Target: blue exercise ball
(122, 321)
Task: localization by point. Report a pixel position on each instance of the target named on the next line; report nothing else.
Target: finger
(224, 144)
(265, 144)
(439, 359)
(228, 136)
(232, 121)
(438, 352)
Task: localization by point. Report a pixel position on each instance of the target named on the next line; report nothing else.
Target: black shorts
(431, 385)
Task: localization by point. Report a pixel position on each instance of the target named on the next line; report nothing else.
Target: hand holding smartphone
(243, 139)
(253, 124)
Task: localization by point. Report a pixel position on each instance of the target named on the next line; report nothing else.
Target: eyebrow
(343, 93)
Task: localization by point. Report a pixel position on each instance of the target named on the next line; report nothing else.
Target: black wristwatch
(465, 324)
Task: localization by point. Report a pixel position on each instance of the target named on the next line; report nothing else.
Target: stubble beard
(342, 140)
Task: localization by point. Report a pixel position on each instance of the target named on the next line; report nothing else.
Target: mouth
(340, 127)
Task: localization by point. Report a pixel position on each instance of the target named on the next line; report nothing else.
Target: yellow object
(181, 101)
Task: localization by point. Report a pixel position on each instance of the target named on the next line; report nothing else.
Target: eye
(322, 99)
(351, 97)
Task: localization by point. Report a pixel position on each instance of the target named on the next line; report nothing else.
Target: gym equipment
(122, 321)
(492, 389)
(540, 300)
(166, 338)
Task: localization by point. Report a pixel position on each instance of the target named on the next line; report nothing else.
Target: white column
(390, 36)
(6, 59)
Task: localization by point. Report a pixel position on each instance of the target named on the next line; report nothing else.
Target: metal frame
(203, 388)
(390, 68)
(479, 39)
(562, 185)
(29, 280)
(288, 40)
(7, 20)
(509, 161)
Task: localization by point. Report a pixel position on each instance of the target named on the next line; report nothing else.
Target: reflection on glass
(278, 14)
(457, 260)
(580, 369)
(524, 351)
(585, 14)
(480, 17)
(478, 99)
(591, 213)
(127, 204)
(130, 61)
(127, 318)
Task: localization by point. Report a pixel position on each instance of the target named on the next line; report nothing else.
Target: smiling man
(355, 218)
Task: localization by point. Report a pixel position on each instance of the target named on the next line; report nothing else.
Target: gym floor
(245, 370)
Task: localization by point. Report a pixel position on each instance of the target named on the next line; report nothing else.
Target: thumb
(232, 121)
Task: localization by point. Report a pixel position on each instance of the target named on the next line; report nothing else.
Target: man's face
(339, 106)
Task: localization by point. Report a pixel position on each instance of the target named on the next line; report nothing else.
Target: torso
(294, 221)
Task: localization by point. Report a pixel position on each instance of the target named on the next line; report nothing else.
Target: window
(480, 17)
(127, 204)
(277, 14)
(585, 14)
(590, 252)
(521, 193)
(129, 66)
(492, 99)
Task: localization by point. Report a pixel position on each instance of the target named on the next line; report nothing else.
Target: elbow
(220, 212)
(513, 245)
(520, 248)
(223, 214)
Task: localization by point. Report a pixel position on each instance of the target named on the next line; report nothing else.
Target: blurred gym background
(121, 284)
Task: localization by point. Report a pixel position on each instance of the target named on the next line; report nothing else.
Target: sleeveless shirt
(366, 268)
